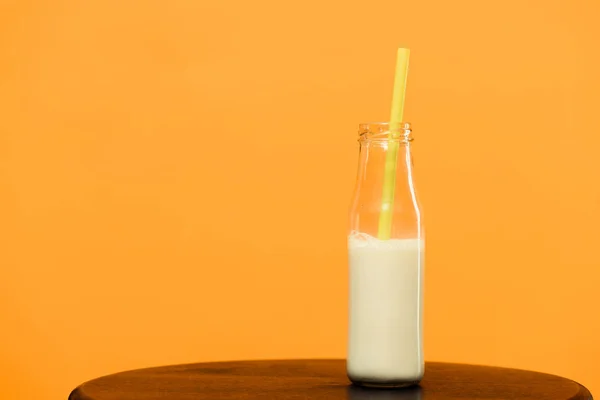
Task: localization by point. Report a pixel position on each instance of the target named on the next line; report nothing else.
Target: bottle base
(382, 383)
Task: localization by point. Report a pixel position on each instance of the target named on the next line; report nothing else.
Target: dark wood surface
(320, 379)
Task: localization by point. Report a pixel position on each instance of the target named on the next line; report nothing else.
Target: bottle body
(385, 346)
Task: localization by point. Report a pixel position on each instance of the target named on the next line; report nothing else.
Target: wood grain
(321, 379)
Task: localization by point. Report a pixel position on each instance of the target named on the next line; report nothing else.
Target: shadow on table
(363, 393)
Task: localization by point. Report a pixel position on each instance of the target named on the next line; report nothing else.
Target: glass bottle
(386, 261)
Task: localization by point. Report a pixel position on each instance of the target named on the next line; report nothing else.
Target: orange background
(175, 177)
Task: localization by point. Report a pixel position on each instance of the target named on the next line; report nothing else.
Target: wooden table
(321, 379)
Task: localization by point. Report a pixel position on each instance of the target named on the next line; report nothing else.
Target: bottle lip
(385, 131)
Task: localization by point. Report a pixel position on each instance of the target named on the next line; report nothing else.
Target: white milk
(386, 306)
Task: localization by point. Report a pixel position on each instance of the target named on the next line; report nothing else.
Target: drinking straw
(389, 177)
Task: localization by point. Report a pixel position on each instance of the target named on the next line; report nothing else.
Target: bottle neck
(372, 160)
(375, 195)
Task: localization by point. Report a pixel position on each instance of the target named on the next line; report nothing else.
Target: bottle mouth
(385, 131)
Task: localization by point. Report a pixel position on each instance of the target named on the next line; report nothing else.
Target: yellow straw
(389, 177)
